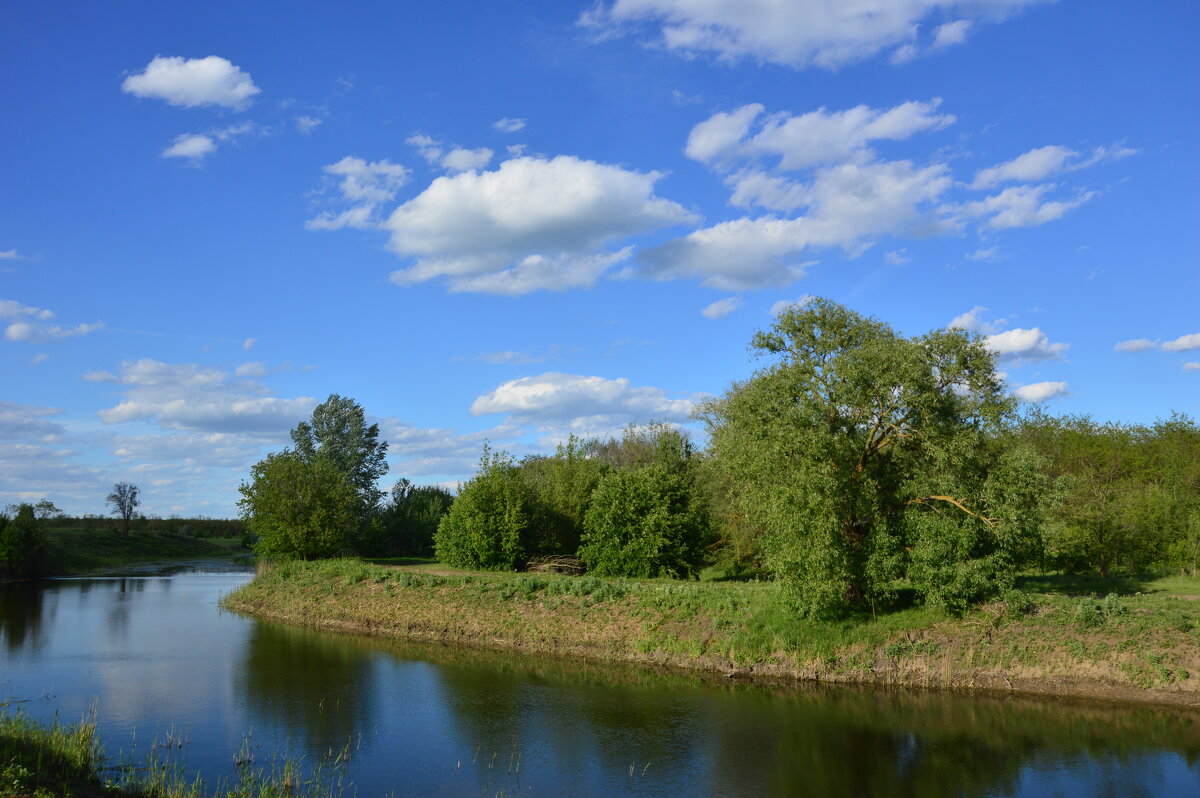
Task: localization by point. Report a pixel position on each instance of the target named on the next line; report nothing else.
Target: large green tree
(338, 433)
(23, 539)
(300, 508)
(491, 524)
(871, 461)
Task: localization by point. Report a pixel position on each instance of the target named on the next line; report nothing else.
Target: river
(170, 672)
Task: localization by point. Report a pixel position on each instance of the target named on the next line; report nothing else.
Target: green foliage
(490, 524)
(647, 522)
(338, 433)
(300, 508)
(869, 461)
(410, 520)
(562, 487)
(1128, 496)
(22, 541)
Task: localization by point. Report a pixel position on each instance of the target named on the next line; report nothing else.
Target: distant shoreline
(1145, 654)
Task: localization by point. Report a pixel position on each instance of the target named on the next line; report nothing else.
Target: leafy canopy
(870, 461)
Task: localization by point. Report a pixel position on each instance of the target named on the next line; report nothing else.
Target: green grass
(77, 551)
(1092, 585)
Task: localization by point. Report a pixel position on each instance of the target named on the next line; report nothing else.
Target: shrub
(646, 523)
(489, 525)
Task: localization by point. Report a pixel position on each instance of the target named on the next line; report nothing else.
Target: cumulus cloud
(190, 145)
(811, 139)
(1191, 365)
(795, 33)
(307, 124)
(1040, 391)
(11, 309)
(1021, 344)
(461, 159)
(34, 333)
(1184, 343)
(1042, 162)
(984, 254)
(973, 321)
(560, 404)
(193, 82)
(28, 422)
(531, 224)
(848, 205)
(784, 304)
(507, 125)
(1022, 206)
(951, 33)
(191, 397)
(1135, 345)
(421, 451)
(721, 308)
(364, 185)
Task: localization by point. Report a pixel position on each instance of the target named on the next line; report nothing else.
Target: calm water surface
(164, 662)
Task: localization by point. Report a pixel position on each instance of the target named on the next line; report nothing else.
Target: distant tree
(563, 484)
(338, 433)
(869, 460)
(124, 500)
(22, 541)
(300, 508)
(410, 519)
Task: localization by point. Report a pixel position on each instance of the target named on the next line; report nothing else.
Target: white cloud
(531, 224)
(984, 254)
(187, 396)
(249, 342)
(307, 124)
(576, 402)
(1042, 162)
(366, 185)
(1135, 345)
(1191, 365)
(951, 34)
(848, 205)
(784, 304)
(795, 33)
(1184, 343)
(810, 139)
(973, 321)
(31, 332)
(897, 257)
(253, 368)
(1040, 391)
(1033, 165)
(429, 148)
(11, 309)
(28, 422)
(11, 254)
(721, 308)
(460, 159)
(192, 82)
(1022, 206)
(188, 449)
(420, 451)
(190, 145)
(1024, 345)
(507, 125)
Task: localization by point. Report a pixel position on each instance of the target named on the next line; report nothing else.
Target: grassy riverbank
(40, 761)
(1144, 645)
(78, 551)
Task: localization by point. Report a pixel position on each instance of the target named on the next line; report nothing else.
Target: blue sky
(517, 220)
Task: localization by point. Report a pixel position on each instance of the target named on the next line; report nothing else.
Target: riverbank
(1139, 647)
(72, 552)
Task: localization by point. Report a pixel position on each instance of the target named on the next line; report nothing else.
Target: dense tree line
(858, 467)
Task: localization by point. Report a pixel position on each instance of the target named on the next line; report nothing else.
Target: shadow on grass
(401, 560)
(1086, 584)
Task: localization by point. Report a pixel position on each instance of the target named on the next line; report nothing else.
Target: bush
(489, 525)
(646, 523)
